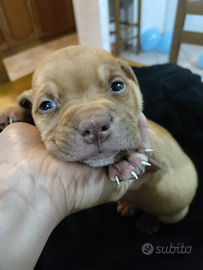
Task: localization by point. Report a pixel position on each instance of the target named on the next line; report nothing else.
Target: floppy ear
(25, 100)
(127, 70)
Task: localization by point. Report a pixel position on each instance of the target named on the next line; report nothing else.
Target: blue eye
(47, 105)
(117, 87)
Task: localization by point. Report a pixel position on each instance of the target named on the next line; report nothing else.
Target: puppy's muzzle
(95, 129)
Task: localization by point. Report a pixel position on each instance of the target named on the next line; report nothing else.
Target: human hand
(38, 191)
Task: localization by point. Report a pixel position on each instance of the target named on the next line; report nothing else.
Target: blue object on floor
(200, 60)
(165, 43)
(150, 40)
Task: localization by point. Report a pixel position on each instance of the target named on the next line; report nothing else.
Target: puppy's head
(86, 105)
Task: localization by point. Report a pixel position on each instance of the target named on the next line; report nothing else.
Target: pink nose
(96, 129)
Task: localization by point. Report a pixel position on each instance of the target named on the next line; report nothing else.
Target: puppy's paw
(130, 166)
(148, 223)
(126, 209)
(14, 114)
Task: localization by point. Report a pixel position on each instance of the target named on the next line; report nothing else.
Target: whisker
(144, 90)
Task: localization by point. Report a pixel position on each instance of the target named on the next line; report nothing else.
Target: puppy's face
(86, 106)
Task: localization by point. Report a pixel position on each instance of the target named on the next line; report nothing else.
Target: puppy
(86, 105)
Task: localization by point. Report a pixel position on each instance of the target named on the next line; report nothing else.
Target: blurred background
(143, 31)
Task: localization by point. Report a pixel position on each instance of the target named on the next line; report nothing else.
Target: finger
(19, 139)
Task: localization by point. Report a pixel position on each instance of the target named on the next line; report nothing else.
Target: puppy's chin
(103, 161)
(93, 159)
(100, 162)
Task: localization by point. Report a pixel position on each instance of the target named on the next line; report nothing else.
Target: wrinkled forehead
(76, 68)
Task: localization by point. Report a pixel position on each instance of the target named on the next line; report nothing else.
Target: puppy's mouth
(71, 147)
(104, 158)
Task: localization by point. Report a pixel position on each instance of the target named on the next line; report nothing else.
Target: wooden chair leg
(138, 49)
(179, 23)
(117, 21)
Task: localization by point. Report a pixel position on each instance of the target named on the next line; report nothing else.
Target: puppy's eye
(117, 87)
(47, 105)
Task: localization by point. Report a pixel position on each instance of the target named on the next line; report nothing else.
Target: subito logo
(147, 249)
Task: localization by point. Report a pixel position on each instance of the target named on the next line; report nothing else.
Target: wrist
(26, 220)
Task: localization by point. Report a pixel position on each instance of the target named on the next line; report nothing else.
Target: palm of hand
(51, 187)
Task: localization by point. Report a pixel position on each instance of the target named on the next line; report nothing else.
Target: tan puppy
(86, 106)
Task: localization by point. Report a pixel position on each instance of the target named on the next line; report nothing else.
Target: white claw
(117, 180)
(146, 163)
(134, 174)
(148, 150)
(11, 120)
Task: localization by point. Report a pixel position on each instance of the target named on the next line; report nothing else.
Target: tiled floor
(188, 56)
(25, 62)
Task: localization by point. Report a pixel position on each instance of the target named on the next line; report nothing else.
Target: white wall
(93, 27)
(170, 15)
(153, 15)
(159, 14)
(194, 23)
(92, 22)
